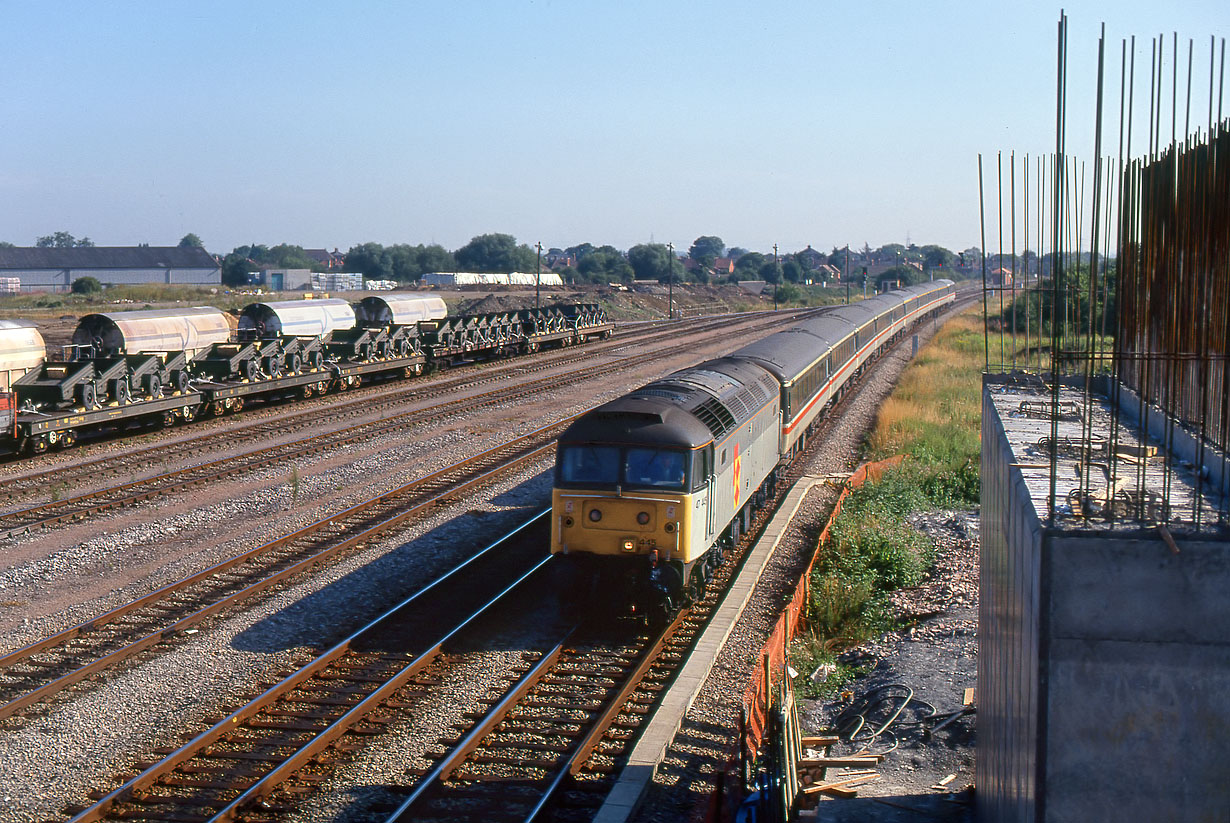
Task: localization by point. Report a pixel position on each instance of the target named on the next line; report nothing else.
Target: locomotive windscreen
(632, 466)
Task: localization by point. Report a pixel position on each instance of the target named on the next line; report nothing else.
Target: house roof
(106, 257)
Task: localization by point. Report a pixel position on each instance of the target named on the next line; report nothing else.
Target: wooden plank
(823, 740)
(968, 698)
(831, 786)
(841, 762)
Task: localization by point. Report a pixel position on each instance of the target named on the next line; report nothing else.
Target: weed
(819, 673)
(294, 486)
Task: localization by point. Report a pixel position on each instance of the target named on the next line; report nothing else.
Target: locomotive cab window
(589, 465)
(581, 466)
(655, 468)
(702, 459)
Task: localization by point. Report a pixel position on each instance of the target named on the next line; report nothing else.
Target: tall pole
(538, 277)
(847, 274)
(670, 281)
(777, 274)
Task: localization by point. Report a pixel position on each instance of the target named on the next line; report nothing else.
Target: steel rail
(531, 449)
(325, 737)
(494, 716)
(139, 490)
(160, 635)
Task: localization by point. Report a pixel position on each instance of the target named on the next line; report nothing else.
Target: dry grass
(934, 414)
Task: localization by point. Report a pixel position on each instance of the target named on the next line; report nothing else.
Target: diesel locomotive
(653, 488)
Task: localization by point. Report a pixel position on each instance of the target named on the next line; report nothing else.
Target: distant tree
(86, 285)
(4, 244)
(771, 272)
(495, 253)
(653, 261)
(368, 259)
(906, 275)
(433, 258)
(748, 266)
(793, 271)
(735, 252)
(579, 251)
(190, 241)
(400, 262)
(891, 252)
(604, 265)
(62, 240)
(706, 248)
(937, 257)
(235, 268)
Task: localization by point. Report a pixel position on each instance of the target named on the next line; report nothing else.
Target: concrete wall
(1138, 679)
(1008, 634)
(1103, 664)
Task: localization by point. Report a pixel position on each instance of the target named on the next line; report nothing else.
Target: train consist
(165, 366)
(651, 489)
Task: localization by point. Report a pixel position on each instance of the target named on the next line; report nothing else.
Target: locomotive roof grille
(716, 416)
(668, 393)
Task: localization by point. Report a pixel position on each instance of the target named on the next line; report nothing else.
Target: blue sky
(795, 123)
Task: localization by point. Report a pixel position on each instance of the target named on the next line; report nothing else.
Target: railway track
(41, 670)
(552, 740)
(373, 402)
(76, 507)
(345, 694)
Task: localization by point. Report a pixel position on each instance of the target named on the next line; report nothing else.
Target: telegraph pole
(670, 281)
(847, 275)
(538, 277)
(777, 273)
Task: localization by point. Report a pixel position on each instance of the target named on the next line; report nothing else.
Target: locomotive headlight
(568, 521)
(628, 545)
(670, 528)
(643, 518)
(595, 515)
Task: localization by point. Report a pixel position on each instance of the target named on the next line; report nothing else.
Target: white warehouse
(54, 269)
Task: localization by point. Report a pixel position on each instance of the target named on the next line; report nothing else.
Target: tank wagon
(171, 366)
(652, 488)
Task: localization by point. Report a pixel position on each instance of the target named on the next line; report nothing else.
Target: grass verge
(933, 417)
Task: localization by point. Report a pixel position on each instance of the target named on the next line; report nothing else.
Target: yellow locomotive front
(626, 485)
(601, 521)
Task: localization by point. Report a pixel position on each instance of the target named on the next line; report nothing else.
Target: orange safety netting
(771, 662)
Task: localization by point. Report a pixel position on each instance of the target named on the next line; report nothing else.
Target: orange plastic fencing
(759, 688)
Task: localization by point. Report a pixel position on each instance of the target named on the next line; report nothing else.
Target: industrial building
(56, 269)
